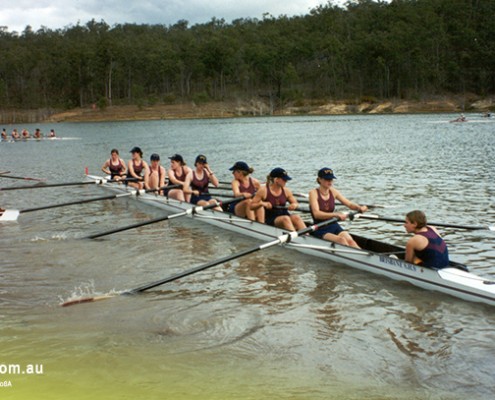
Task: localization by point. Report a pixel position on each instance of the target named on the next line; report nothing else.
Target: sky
(56, 14)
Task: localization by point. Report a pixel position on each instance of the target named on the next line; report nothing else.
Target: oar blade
(9, 215)
(82, 300)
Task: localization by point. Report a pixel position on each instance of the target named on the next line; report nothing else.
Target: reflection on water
(274, 324)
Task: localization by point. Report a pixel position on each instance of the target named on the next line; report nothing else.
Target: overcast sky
(54, 14)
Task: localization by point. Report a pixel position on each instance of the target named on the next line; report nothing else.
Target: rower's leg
(297, 222)
(260, 215)
(349, 241)
(176, 194)
(284, 222)
(335, 238)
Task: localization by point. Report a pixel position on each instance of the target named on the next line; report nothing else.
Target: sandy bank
(260, 108)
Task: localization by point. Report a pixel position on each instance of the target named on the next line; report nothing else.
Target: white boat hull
(451, 280)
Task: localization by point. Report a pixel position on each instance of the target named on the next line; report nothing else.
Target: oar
(2, 175)
(443, 225)
(12, 215)
(285, 238)
(50, 185)
(190, 211)
(4, 172)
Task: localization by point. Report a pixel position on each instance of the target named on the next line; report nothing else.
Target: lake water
(275, 324)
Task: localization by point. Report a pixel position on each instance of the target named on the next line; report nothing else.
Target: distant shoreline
(234, 109)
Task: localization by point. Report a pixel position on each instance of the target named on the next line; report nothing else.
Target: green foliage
(363, 50)
(102, 103)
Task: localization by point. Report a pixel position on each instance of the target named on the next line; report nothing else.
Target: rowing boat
(374, 256)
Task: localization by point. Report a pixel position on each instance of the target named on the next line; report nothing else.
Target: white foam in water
(87, 290)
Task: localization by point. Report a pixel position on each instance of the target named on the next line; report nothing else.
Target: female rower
(137, 168)
(115, 166)
(274, 195)
(52, 133)
(177, 176)
(37, 133)
(4, 134)
(244, 185)
(25, 134)
(426, 247)
(197, 182)
(15, 135)
(322, 204)
(156, 174)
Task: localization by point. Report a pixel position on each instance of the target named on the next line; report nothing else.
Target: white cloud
(54, 14)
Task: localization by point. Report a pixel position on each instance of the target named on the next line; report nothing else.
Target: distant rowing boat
(375, 256)
(56, 138)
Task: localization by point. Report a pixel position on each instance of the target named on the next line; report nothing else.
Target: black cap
(136, 150)
(201, 159)
(280, 173)
(239, 166)
(155, 157)
(326, 173)
(177, 157)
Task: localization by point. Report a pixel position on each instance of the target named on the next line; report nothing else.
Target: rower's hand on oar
(342, 216)
(292, 206)
(267, 205)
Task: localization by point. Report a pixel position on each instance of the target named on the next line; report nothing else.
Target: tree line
(366, 49)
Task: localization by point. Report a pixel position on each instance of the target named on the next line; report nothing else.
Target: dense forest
(403, 49)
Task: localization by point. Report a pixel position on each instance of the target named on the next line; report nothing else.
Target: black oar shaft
(51, 185)
(22, 178)
(70, 203)
(197, 269)
(160, 219)
(109, 197)
(443, 225)
(281, 239)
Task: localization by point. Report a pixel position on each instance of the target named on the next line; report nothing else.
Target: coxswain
(197, 181)
(137, 168)
(156, 174)
(243, 185)
(274, 197)
(37, 133)
(322, 205)
(52, 133)
(115, 166)
(426, 247)
(177, 176)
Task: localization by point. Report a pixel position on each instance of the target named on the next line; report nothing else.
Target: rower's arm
(293, 204)
(124, 167)
(162, 177)
(258, 200)
(172, 180)
(349, 204)
(187, 184)
(105, 168)
(417, 242)
(131, 170)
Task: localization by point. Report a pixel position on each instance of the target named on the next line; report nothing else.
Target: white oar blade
(9, 215)
(492, 228)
